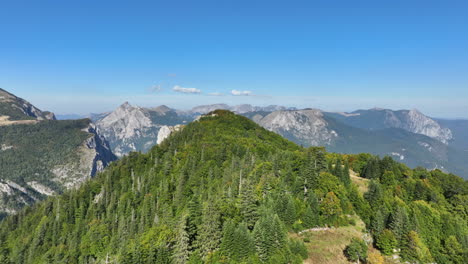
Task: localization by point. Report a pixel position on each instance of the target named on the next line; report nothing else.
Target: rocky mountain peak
(417, 122)
(162, 109)
(306, 126)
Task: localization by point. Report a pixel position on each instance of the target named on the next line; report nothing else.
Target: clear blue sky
(90, 56)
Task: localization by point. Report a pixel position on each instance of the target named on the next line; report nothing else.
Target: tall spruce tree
(210, 232)
(248, 206)
(182, 243)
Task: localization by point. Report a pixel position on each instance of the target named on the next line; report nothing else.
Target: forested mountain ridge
(406, 135)
(225, 190)
(40, 156)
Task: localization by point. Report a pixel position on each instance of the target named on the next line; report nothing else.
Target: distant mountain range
(407, 135)
(40, 156)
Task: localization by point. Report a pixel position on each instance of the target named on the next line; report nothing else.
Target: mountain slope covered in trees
(40, 156)
(225, 190)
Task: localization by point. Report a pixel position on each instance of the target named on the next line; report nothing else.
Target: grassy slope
(327, 246)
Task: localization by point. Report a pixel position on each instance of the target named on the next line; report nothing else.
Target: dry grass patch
(326, 247)
(362, 183)
(5, 121)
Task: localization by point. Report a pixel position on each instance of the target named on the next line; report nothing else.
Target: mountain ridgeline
(406, 135)
(225, 190)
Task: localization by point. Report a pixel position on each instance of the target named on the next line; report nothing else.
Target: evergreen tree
(378, 222)
(312, 212)
(399, 223)
(237, 242)
(248, 206)
(346, 178)
(193, 220)
(386, 242)
(210, 230)
(182, 243)
(269, 235)
(415, 250)
(229, 240)
(338, 170)
(285, 209)
(356, 250)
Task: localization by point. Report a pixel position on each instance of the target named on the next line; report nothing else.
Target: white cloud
(216, 94)
(239, 93)
(180, 89)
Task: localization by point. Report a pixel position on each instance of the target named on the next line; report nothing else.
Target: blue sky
(90, 56)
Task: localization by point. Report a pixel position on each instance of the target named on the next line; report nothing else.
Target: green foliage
(415, 249)
(386, 242)
(210, 230)
(356, 250)
(330, 207)
(269, 235)
(285, 209)
(311, 216)
(237, 241)
(248, 206)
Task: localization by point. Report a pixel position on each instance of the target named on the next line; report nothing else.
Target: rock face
(414, 121)
(166, 131)
(302, 126)
(131, 128)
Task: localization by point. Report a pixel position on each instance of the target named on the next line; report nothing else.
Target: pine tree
(356, 250)
(228, 240)
(378, 222)
(210, 233)
(193, 220)
(182, 243)
(386, 242)
(285, 209)
(399, 222)
(338, 170)
(248, 206)
(269, 235)
(312, 212)
(237, 241)
(415, 250)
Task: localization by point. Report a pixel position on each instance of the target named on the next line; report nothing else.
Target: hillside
(225, 190)
(40, 156)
